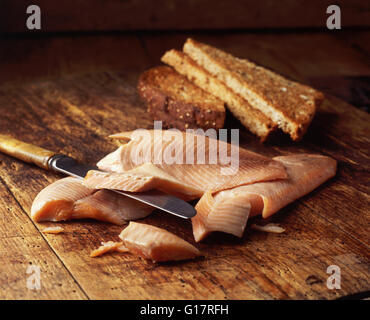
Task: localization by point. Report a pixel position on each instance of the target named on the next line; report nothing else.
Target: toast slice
(251, 118)
(179, 103)
(287, 103)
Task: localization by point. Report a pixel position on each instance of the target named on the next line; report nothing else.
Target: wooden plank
(27, 58)
(231, 269)
(75, 114)
(22, 246)
(180, 15)
(59, 114)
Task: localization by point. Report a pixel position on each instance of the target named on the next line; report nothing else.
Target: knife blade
(64, 164)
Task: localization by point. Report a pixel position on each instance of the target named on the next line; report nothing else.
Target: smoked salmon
(180, 163)
(142, 178)
(53, 230)
(232, 183)
(270, 227)
(68, 198)
(228, 210)
(109, 246)
(156, 244)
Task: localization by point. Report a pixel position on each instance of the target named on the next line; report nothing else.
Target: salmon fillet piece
(142, 178)
(228, 210)
(182, 177)
(68, 198)
(156, 244)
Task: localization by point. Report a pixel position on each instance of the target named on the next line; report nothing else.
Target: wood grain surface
(71, 101)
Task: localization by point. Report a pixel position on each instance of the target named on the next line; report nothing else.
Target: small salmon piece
(156, 244)
(122, 249)
(56, 201)
(228, 210)
(228, 214)
(270, 227)
(68, 198)
(109, 246)
(53, 230)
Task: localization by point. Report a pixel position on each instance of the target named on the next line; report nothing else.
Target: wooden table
(68, 93)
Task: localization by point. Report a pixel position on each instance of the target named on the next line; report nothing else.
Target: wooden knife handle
(25, 151)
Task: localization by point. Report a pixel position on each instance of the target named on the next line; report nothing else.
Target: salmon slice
(156, 244)
(122, 181)
(142, 178)
(53, 230)
(171, 152)
(107, 206)
(68, 198)
(227, 213)
(228, 210)
(109, 246)
(56, 201)
(270, 227)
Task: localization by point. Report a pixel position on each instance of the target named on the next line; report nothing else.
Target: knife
(53, 161)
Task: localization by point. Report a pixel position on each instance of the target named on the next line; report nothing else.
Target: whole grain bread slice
(289, 104)
(177, 102)
(251, 118)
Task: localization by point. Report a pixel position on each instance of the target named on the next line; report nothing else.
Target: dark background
(123, 15)
(85, 36)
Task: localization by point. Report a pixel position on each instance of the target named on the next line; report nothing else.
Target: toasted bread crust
(177, 102)
(289, 104)
(251, 118)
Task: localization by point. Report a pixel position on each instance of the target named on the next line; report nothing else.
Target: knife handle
(25, 151)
